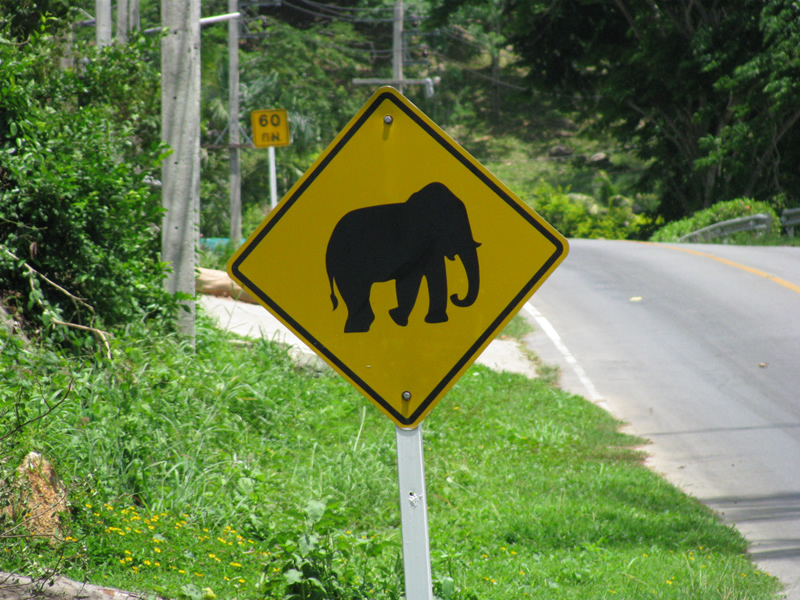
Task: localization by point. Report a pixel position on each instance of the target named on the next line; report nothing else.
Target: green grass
(227, 471)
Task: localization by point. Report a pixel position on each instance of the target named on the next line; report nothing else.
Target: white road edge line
(551, 332)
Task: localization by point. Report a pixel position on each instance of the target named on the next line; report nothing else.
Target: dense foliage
(702, 90)
(79, 237)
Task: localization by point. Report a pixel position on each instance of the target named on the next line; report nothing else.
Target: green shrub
(606, 214)
(79, 238)
(719, 212)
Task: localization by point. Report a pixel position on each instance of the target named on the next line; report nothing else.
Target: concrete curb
(254, 321)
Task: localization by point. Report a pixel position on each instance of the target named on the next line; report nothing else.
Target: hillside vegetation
(219, 470)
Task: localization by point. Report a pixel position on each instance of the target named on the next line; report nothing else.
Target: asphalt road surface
(697, 347)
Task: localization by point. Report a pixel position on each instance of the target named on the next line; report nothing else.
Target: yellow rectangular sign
(270, 127)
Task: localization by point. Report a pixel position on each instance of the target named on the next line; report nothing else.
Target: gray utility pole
(397, 45)
(127, 18)
(397, 80)
(103, 27)
(180, 129)
(233, 125)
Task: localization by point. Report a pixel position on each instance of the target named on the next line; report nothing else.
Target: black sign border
(461, 155)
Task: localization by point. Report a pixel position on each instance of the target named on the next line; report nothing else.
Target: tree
(24, 17)
(690, 85)
(758, 148)
(79, 242)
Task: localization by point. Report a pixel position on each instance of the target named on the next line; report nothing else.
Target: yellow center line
(787, 284)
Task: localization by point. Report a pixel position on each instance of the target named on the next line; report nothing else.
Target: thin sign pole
(273, 179)
(414, 514)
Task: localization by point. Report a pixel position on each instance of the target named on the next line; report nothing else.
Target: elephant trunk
(469, 258)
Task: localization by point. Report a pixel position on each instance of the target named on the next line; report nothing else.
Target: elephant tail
(334, 299)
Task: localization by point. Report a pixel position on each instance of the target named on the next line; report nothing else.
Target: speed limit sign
(270, 127)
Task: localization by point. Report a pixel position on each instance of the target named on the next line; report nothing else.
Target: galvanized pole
(273, 178)
(233, 125)
(104, 23)
(397, 45)
(410, 457)
(414, 514)
(180, 129)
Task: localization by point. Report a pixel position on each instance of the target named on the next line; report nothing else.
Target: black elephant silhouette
(404, 242)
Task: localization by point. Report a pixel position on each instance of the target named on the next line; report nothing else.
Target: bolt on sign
(270, 127)
(397, 257)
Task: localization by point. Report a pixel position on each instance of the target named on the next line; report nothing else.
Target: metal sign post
(273, 179)
(414, 514)
(270, 129)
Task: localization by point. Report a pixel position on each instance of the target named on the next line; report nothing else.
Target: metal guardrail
(760, 222)
(789, 219)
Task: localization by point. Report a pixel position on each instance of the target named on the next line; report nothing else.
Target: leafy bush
(79, 241)
(722, 211)
(607, 214)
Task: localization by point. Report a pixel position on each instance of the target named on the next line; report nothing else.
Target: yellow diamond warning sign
(397, 257)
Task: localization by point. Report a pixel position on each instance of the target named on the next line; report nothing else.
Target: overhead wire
(479, 74)
(334, 8)
(347, 18)
(341, 16)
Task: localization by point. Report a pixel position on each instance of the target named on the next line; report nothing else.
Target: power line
(346, 18)
(479, 74)
(386, 9)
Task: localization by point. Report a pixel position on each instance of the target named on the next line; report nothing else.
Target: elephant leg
(407, 290)
(359, 312)
(436, 275)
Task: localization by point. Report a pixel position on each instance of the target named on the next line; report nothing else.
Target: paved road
(697, 347)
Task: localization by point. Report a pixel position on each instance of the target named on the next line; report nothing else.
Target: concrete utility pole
(103, 27)
(397, 45)
(127, 18)
(233, 125)
(397, 80)
(180, 129)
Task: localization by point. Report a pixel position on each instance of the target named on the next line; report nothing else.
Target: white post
(414, 514)
(397, 44)
(103, 33)
(273, 179)
(233, 126)
(180, 129)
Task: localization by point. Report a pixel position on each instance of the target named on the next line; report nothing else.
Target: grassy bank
(226, 472)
